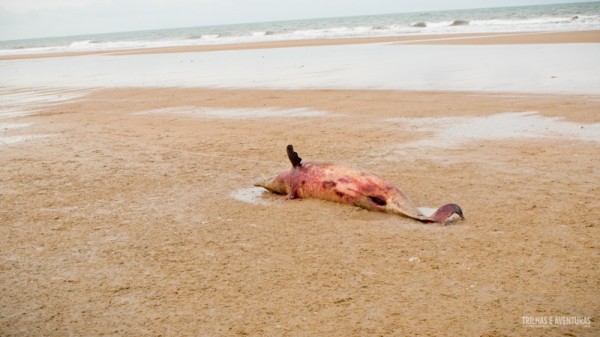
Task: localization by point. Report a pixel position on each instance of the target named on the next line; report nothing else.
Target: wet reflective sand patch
(251, 195)
(15, 102)
(15, 138)
(235, 113)
(448, 132)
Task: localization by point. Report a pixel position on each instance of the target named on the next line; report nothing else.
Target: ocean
(561, 17)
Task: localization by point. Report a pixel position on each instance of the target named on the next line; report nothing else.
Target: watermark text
(555, 321)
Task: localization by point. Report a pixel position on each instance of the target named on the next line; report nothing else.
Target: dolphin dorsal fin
(294, 158)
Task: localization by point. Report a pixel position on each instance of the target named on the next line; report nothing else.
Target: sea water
(561, 17)
(545, 68)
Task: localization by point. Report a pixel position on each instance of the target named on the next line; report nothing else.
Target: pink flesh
(340, 184)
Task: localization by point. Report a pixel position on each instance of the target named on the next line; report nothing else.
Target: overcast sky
(20, 19)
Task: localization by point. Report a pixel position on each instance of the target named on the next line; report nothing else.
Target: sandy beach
(132, 210)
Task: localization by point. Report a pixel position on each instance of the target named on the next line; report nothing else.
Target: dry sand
(123, 223)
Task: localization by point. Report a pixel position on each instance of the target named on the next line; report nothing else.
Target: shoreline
(591, 36)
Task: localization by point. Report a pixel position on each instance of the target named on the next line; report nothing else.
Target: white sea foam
(86, 44)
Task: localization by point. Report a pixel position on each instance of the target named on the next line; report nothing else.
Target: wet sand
(592, 36)
(135, 214)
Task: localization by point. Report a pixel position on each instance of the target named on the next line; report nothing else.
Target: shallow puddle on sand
(251, 195)
(449, 132)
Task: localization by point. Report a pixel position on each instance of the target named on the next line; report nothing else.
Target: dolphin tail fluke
(443, 214)
(402, 205)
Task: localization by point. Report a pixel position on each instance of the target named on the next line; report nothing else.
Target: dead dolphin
(340, 184)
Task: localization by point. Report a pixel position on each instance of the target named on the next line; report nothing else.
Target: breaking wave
(582, 16)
